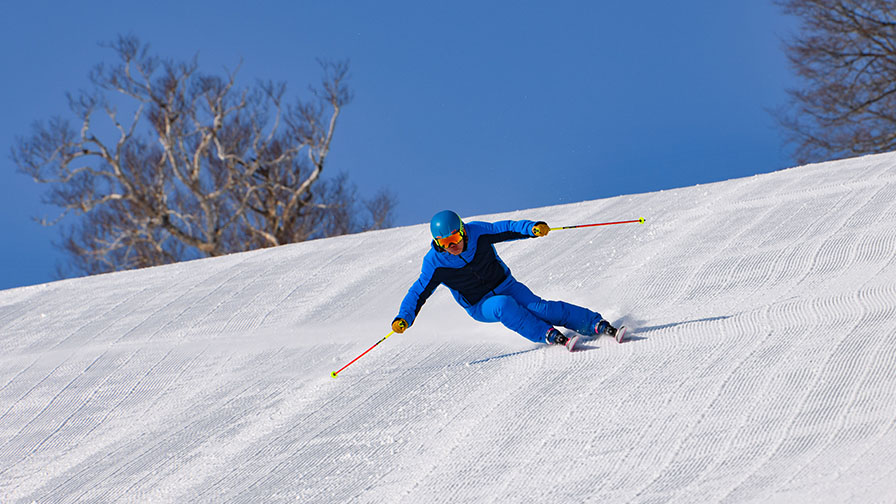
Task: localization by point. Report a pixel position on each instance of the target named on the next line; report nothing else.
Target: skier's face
(456, 248)
(454, 242)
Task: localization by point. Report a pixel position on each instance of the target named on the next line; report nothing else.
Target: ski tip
(572, 344)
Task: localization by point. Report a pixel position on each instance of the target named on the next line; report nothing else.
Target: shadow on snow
(633, 335)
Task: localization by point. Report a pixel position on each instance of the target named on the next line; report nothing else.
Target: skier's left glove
(540, 229)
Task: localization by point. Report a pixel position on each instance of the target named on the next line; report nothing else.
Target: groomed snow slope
(762, 367)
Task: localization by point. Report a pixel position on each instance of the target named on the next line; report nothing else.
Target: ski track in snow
(761, 365)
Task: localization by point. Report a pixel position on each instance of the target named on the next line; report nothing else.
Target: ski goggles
(455, 237)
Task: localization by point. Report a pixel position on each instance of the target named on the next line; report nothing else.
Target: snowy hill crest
(762, 368)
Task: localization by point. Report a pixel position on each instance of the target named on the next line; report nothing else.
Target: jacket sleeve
(508, 230)
(418, 293)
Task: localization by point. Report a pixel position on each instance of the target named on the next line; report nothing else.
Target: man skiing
(463, 257)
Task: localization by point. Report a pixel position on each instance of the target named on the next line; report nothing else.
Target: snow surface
(761, 368)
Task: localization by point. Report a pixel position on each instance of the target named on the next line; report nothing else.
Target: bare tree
(189, 165)
(845, 54)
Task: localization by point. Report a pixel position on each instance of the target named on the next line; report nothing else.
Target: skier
(463, 257)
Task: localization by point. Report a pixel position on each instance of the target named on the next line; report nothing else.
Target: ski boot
(604, 327)
(555, 337)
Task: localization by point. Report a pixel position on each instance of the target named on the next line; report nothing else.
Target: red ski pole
(641, 220)
(334, 374)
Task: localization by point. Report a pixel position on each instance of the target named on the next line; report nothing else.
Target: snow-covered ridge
(762, 367)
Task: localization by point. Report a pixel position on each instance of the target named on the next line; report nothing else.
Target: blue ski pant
(515, 306)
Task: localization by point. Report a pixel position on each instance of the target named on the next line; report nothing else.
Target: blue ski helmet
(445, 224)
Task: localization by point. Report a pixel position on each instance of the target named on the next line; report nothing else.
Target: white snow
(762, 365)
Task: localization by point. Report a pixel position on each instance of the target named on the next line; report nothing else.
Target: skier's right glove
(399, 325)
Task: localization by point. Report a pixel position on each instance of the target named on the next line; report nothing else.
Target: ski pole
(334, 374)
(641, 220)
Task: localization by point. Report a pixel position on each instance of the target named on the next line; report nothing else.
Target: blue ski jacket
(470, 276)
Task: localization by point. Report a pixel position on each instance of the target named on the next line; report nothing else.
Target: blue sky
(476, 106)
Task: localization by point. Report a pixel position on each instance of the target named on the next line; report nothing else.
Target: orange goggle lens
(455, 237)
